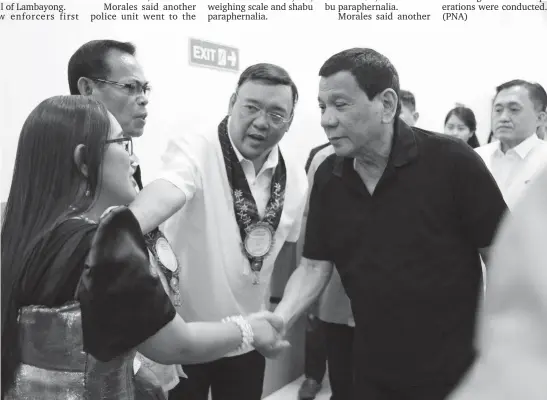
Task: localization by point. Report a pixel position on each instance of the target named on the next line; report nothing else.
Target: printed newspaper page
(332, 73)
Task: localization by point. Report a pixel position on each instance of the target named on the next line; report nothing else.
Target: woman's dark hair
(467, 116)
(47, 186)
(473, 141)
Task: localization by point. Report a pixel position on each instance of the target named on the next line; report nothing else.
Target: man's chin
(252, 151)
(504, 134)
(341, 151)
(135, 132)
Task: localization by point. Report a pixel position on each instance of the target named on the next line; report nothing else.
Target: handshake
(269, 332)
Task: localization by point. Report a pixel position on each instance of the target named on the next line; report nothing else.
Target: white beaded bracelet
(247, 334)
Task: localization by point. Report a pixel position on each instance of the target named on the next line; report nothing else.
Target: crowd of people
(391, 225)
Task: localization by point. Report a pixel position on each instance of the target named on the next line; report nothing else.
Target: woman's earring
(87, 193)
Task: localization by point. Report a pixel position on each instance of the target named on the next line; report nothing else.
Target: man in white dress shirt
(542, 130)
(518, 154)
(235, 199)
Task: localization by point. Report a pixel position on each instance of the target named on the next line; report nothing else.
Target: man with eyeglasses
(109, 71)
(237, 201)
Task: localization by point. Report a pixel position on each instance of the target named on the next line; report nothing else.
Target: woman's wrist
(246, 329)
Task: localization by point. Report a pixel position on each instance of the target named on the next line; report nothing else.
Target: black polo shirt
(408, 255)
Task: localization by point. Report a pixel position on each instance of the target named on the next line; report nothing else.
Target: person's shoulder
(73, 232)
(443, 144)
(315, 151)
(296, 173)
(208, 131)
(199, 135)
(538, 157)
(541, 147)
(321, 146)
(325, 166)
(76, 223)
(317, 157)
(486, 149)
(530, 209)
(538, 190)
(448, 151)
(431, 138)
(323, 153)
(197, 143)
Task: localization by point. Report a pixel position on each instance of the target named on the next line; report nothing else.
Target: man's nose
(261, 120)
(142, 100)
(328, 119)
(504, 115)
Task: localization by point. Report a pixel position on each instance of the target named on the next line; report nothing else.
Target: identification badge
(259, 240)
(166, 255)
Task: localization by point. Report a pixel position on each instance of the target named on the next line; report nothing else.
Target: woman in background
(78, 298)
(460, 122)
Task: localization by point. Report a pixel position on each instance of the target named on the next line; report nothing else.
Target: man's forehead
(515, 94)
(124, 64)
(266, 93)
(342, 83)
(255, 86)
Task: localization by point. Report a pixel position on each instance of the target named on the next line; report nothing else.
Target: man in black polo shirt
(405, 215)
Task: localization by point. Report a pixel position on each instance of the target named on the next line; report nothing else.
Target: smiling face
(117, 186)
(260, 114)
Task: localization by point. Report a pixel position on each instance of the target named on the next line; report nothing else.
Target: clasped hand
(269, 332)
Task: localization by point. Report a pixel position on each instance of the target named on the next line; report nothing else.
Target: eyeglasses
(126, 141)
(251, 110)
(132, 89)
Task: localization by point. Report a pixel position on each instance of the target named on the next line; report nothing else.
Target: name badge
(166, 255)
(259, 240)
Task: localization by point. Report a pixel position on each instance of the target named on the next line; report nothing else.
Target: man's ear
(231, 104)
(80, 160)
(390, 101)
(542, 118)
(416, 116)
(85, 86)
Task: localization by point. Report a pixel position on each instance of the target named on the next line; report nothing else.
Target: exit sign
(213, 55)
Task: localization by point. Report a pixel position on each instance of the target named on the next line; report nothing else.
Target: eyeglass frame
(145, 88)
(284, 120)
(122, 140)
